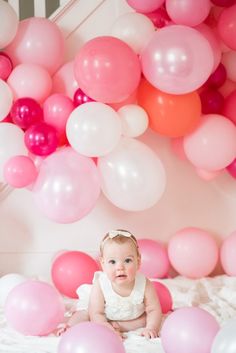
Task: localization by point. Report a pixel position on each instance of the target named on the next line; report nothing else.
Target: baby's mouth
(121, 276)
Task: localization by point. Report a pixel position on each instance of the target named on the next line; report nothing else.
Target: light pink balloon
(155, 262)
(193, 252)
(34, 308)
(56, 109)
(145, 6)
(63, 81)
(67, 187)
(207, 175)
(189, 330)
(107, 69)
(20, 171)
(226, 26)
(6, 99)
(8, 25)
(228, 254)
(188, 12)
(28, 80)
(38, 41)
(178, 59)
(202, 145)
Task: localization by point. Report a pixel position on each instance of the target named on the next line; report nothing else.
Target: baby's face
(120, 262)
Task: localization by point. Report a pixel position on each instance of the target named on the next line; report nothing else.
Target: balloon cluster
(68, 129)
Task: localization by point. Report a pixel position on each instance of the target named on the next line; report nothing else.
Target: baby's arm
(153, 312)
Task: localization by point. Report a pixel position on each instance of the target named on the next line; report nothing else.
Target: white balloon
(133, 28)
(132, 176)
(7, 283)
(93, 129)
(8, 24)
(11, 144)
(134, 120)
(225, 340)
(6, 99)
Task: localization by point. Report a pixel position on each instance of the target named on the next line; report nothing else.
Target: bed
(217, 295)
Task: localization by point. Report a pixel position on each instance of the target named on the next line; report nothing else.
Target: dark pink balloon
(218, 77)
(5, 66)
(164, 296)
(80, 98)
(212, 101)
(223, 3)
(159, 17)
(26, 112)
(41, 139)
(231, 169)
(229, 109)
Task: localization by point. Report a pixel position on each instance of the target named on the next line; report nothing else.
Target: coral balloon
(34, 308)
(67, 187)
(107, 69)
(170, 115)
(155, 262)
(72, 269)
(228, 254)
(164, 296)
(193, 252)
(26, 112)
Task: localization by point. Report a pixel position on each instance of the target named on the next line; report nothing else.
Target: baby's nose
(120, 265)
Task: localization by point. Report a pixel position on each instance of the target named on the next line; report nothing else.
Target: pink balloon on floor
(155, 262)
(72, 269)
(34, 308)
(164, 296)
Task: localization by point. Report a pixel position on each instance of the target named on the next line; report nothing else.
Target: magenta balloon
(67, 187)
(231, 168)
(159, 17)
(177, 60)
(41, 139)
(34, 308)
(26, 112)
(88, 337)
(223, 3)
(218, 77)
(189, 330)
(107, 69)
(5, 66)
(212, 101)
(80, 98)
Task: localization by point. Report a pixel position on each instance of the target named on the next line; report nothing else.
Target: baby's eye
(128, 260)
(112, 262)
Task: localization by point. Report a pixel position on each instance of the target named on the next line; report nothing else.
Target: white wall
(28, 241)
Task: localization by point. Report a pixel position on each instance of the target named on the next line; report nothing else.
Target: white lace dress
(117, 308)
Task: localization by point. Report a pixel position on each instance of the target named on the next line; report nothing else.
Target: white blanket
(216, 295)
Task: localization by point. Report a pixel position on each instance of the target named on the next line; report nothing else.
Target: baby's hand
(149, 333)
(116, 328)
(61, 329)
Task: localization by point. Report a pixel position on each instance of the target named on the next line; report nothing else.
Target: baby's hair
(119, 236)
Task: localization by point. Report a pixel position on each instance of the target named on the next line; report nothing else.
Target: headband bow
(115, 233)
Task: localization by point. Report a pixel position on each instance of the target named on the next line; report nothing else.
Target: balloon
(155, 262)
(132, 176)
(34, 308)
(41, 139)
(107, 69)
(28, 80)
(80, 98)
(67, 187)
(170, 115)
(38, 41)
(7, 283)
(8, 25)
(193, 252)
(227, 254)
(218, 77)
(133, 28)
(19, 171)
(231, 168)
(226, 26)
(145, 6)
(87, 128)
(206, 174)
(63, 81)
(164, 296)
(188, 12)
(228, 60)
(26, 112)
(201, 145)
(177, 59)
(5, 66)
(72, 269)
(189, 330)
(11, 144)
(224, 341)
(227, 88)
(223, 3)
(134, 120)
(90, 337)
(159, 17)
(56, 110)
(178, 149)
(229, 109)
(6, 99)
(212, 101)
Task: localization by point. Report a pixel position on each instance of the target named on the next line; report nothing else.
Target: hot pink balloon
(90, 337)
(228, 254)
(159, 17)
(38, 41)
(5, 66)
(164, 296)
(189, 330)
(155, 262)
(80, 97)
(177, 59)
(72, 269)
(212, 101)
(231, 168)
(229, 109)
(145, 6)
(63, 81)
(67, 187)
(218, 77)
(34, 308)
(20, 171)
(26, 112)
(107, 69)
(227, 25)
